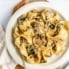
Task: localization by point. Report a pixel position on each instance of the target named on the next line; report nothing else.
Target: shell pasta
(38, 35)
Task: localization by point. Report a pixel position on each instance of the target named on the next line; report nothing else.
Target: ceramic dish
(12, 22)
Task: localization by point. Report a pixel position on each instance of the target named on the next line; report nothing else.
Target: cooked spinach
(30, 50)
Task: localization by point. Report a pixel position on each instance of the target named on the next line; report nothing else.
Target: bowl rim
(16, 15)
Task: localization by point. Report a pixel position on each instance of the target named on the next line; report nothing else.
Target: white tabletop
(6, 7)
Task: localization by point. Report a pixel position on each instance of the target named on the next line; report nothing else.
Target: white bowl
(12, 22)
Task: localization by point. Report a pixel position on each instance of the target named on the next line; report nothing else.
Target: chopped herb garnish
(56, 31)
(45, 44)
(22, 39)
(30, 50)
(21, 19)
(52, 26)
(28, 27)
(33, 25)
(39, 36)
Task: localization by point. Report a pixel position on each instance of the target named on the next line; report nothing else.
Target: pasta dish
(39, 35)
